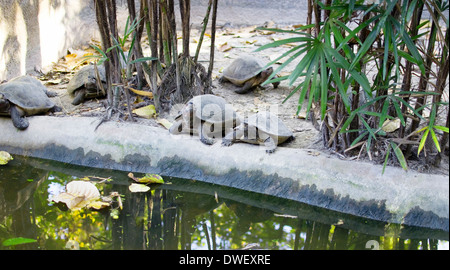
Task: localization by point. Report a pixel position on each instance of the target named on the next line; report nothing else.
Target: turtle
(247, 71)
(260, 128)
(206, 115)
(24, 96)
(84, 84)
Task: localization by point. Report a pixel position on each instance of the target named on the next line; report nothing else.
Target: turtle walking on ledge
(247, 71)
(262, 128)
(207, 116)
(24, 96)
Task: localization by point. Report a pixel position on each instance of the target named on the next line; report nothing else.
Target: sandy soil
(230, 44)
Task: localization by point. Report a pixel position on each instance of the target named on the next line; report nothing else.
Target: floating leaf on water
(78, 195)
(114, 213)
(5, 157)
(146, 112)
(72, 245)
(138, 188)
(83, 188)
(148, 178)
(97, 205)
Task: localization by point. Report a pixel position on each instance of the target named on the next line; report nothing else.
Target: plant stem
(205, 24)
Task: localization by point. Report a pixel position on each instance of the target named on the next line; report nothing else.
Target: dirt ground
(230, 44)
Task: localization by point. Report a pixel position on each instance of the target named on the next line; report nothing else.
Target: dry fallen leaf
(78, 195)
(295, 26)
(54, 82)
(391, 125)
(141, 92)
(97, 205)
(76, 58)
(147, 112)
(164, 122)
(224, 47)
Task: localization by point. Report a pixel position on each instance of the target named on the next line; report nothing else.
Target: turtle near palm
(248, 72)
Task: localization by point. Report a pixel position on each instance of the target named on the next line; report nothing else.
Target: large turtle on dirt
(207, 116)
(261, 128)
(247, 71)
(24, 96)
(84, 84)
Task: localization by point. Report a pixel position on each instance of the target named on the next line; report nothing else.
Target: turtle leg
(222, 79)
(203, 130)
(18, 118)
(50, 93)
(177, 127)
(232, 136)
(79, 97)
(276, 84)
(56, 109)
(246, 88)
(270, 145)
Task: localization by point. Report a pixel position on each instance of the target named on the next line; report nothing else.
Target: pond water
(179, 215)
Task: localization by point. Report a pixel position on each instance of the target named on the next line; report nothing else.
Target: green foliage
(120, 45)
(335, 56)
(17, 241)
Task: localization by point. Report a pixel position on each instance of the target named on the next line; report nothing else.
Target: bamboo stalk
(205, 24)
(185, 9)
(213, 41)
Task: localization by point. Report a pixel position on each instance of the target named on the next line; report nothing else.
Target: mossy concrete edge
(350, 187)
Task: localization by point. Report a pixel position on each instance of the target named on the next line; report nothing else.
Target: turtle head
(265, 74)
(4, 104)
(91, 83)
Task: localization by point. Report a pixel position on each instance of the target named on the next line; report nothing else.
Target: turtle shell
(85, 77)
(269, 123)
(243, 69)
(213, 109)
(27, 93)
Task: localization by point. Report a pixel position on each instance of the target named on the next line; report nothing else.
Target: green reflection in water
(185, 214)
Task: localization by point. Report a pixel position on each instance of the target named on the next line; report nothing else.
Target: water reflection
(183, 215)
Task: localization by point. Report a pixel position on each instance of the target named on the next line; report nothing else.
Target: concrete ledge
(349, 187)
